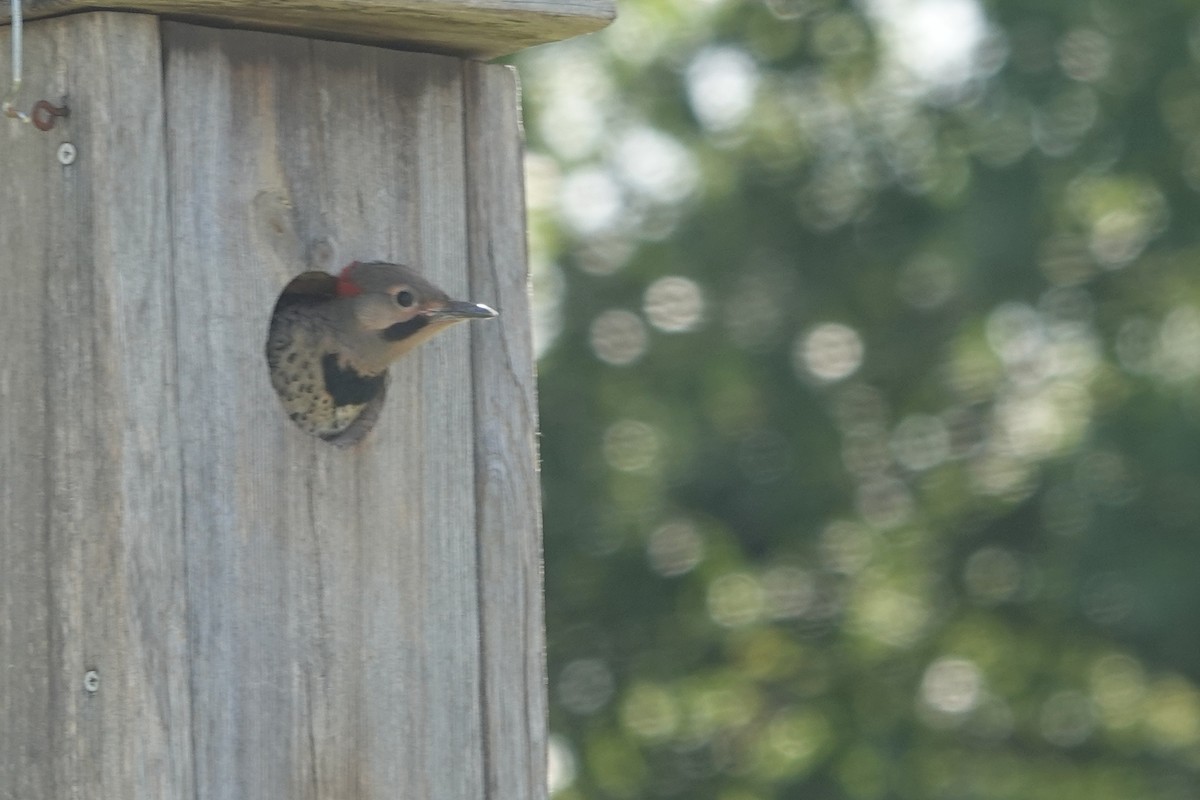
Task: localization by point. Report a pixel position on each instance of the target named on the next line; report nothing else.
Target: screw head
(66, 154)
(91, 681)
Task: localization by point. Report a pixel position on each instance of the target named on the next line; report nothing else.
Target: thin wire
(8, 108)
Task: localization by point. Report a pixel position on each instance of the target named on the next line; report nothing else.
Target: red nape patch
(345, 286)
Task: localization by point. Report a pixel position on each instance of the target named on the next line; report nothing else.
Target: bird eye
(404, 299)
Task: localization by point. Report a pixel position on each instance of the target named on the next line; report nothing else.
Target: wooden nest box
(197, 600)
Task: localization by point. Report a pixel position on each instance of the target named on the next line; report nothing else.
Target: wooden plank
(91, 549)
(333, 594)
(510, 547)
(475, 28)
(269, 616)
(26, 564)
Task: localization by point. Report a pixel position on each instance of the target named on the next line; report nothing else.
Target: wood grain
(91, 536)
(474, 28)
(270, 616)
(333, 594)
(510, 547)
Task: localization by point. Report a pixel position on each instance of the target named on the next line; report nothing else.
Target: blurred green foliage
(869, 345)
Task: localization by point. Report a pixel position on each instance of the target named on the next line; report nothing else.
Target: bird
(333, 337)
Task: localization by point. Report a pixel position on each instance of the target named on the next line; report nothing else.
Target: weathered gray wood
(91, 547)
(271, 617)
(346, 582)
(510, 548)
(476, 28)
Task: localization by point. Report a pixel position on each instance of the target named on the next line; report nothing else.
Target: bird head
(392, 309)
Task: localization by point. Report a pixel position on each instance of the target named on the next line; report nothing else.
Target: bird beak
(461, 309)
